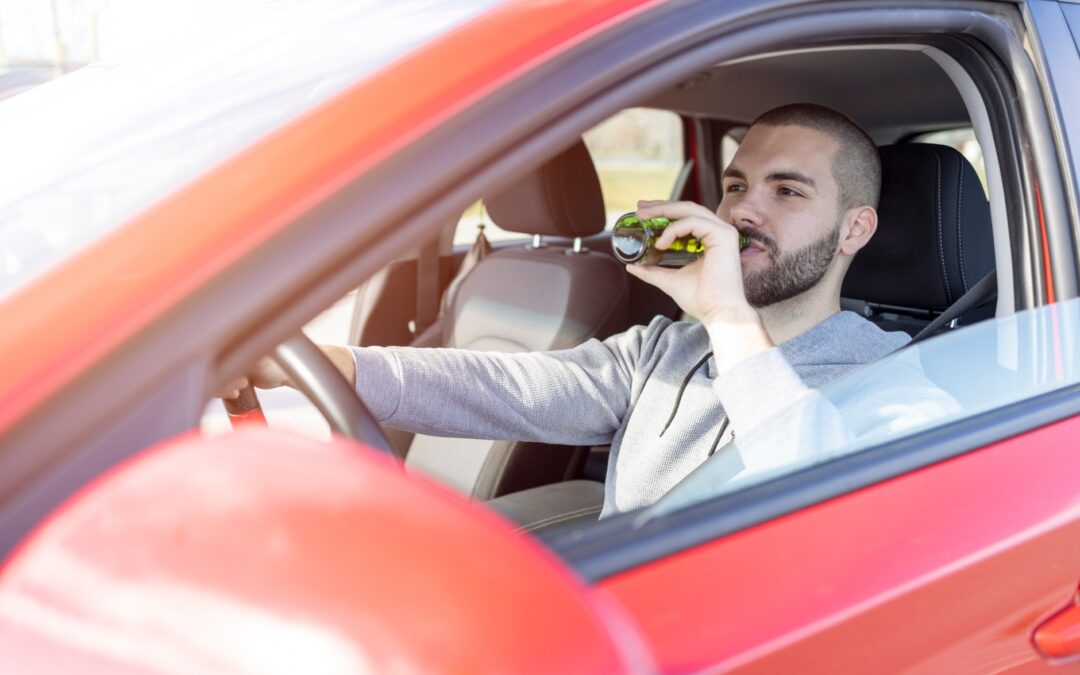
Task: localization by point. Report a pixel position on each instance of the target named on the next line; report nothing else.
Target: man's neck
(784, 320)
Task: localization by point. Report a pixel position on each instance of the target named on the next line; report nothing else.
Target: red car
(164, 225)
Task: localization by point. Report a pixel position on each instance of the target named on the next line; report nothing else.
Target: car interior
(556, 284)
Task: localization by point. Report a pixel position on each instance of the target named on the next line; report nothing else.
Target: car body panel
(973, 552)
(263, 552)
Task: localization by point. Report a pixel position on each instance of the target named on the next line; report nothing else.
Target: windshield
(85, 153)
(957, 375)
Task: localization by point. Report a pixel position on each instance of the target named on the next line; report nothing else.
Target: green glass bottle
(634, 242)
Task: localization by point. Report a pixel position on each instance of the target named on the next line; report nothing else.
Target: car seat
(933, 243)
(529, 298)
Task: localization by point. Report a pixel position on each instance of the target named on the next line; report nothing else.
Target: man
(668, 396)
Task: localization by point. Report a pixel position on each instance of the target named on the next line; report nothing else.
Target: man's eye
(788, 192)
(734, 187)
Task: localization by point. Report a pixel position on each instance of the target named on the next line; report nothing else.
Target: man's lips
(755, 248)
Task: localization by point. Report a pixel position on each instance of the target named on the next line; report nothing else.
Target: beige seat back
(530, 298)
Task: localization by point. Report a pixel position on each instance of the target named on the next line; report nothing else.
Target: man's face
(780, 190)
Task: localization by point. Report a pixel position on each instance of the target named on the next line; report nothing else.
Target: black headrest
(933, 240)
(561, 198)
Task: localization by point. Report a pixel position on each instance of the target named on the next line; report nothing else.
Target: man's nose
(746, 210)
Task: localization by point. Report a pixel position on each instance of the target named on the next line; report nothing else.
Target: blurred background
(42, 39)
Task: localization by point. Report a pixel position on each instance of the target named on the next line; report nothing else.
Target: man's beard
(790, 273)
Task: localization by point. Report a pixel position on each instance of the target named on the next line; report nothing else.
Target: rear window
(638, 154)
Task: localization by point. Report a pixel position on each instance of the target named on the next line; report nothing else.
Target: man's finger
(693, 227)
(231, 390)
(651, 274)
(238, 383)
(672, 210)
(709, 230)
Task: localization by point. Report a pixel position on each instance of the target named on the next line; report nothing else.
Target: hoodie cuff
(759, 388)
(378, 380)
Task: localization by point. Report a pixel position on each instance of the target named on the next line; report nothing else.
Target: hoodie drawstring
(682, 388)
(719, 435)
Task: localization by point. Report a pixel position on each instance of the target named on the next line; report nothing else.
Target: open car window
(967, 372)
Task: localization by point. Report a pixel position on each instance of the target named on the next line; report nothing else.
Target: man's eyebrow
(795, 176)
(775, 176)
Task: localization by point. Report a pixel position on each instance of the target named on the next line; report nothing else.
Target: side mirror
(263, 552)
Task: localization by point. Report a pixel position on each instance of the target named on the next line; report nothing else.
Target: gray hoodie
(650, 392)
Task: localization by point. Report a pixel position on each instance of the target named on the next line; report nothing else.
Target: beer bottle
(634, 241)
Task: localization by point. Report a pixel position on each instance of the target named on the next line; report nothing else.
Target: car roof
(78, 313)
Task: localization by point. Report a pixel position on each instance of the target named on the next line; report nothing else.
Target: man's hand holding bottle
(711, 289)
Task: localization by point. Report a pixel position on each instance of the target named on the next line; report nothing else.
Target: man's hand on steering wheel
(326, 375)
(267, 374)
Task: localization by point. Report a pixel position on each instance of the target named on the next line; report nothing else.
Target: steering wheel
(322, 383)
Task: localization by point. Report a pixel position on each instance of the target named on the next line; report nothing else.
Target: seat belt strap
(982, 291)
(428, 292)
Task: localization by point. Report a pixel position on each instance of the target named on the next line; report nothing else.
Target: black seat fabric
(933, 241)
(527, 299)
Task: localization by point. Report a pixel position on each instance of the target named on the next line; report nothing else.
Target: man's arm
(575, 396)
(782, 422)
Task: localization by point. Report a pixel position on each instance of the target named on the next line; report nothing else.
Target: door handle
(1059, 635)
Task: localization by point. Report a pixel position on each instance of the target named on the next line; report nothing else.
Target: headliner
(890, 92)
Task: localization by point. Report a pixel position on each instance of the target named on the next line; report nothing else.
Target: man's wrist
(736, 335)
(343, 360)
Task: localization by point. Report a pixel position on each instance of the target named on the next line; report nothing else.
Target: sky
(90, 29)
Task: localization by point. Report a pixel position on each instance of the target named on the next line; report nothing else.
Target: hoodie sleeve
(575, 396)
(781, 422)
(782, 425)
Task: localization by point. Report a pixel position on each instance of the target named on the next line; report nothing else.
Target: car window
(638, 154)
(729, 144)
(973, 370)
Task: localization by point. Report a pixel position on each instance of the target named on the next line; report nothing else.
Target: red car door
(948, 569)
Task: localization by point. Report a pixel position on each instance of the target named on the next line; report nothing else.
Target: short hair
(856, 165)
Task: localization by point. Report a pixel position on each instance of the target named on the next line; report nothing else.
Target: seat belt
(428, 292)
(982, 291)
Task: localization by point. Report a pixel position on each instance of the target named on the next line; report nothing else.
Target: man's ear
(862, 223)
